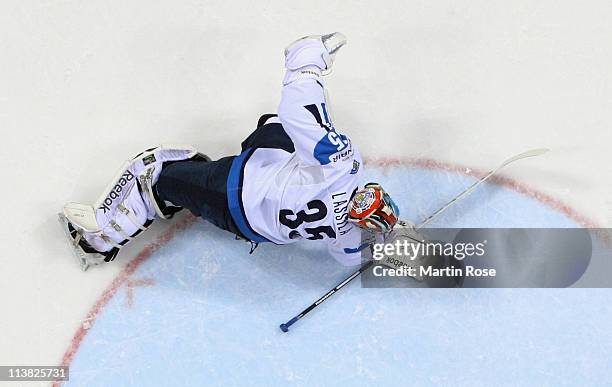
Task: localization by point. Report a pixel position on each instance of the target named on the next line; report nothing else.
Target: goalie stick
(531, 153)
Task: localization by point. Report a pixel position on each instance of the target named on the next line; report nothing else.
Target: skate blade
(81, 256)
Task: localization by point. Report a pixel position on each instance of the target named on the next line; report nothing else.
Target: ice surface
(86, 85)
(212, 315)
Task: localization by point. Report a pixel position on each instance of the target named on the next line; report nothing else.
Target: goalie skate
(126, 207)
(75, 240)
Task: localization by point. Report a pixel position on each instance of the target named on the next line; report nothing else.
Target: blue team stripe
(234, 197)
(356, 249)
(325, 114)
(314, 110)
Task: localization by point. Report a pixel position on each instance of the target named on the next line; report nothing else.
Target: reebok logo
(116, 191)
(310, 72)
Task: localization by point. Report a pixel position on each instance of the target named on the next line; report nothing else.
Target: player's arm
(348, 249)
(303, 110)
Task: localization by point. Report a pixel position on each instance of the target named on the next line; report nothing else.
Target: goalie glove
(312, 56)
(412, 250)
(405, 239)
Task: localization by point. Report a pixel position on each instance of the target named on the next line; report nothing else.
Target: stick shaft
(470, 189)
(342, 284)
(531, 153)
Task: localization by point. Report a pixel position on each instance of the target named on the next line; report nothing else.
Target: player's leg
(201, 187)
(126, 208)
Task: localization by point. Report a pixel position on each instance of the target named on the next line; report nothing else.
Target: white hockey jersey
(301, 191)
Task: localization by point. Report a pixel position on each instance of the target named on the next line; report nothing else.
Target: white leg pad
(127, 205)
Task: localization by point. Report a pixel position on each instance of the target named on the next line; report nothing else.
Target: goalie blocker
(127, 206)
(405, 233)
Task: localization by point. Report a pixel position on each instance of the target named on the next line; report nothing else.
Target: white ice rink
(429, 90)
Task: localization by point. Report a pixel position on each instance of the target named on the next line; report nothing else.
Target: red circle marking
(384, 163)
(117, 283)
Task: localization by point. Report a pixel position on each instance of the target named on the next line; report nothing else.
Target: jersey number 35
(294, 220)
